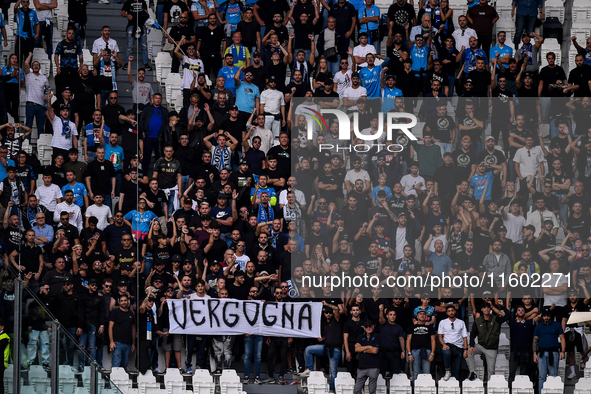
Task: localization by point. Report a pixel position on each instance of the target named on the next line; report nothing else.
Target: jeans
(253, 344)
(118, 181)
(545, 104)
(318, 350)
(445, 147)
(390, 361)
(150, 145)
(191, 342)
(160, 13)
(375, 43)
(120, 355)
(185, 181)
(70, 345)
(108, 201)
(131, 43)
(452, 83)
(562, 212)
(79, 32)
(335, 66)
(91, 156)
(37, 112)
(476, 146)
(88, 341)
(523, 22)
(452, 362)
(324, 19)
(419, 365)
(36, 337)
(46, 31)
(105, 96)
(544, 368)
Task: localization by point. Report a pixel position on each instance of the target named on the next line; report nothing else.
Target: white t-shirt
(102, 213)
(409, 182)
(351, 93)
(35, 85)
(514, 226)
(62, 141)
(189, 66)
(343, 81)
(272, 100)
(352, 176)
(528, 164)
(455, 336)
(241, 261)
(299, 196)
(48, 196)
(99, 44)
(362, 51)
(557, 280)
(401, 242)
(265, 135)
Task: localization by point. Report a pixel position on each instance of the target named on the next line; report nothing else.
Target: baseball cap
(455, 265)
(187, 200)
(490, 137)
(469, 80)
(233, 108)
(272, 78)
(559, 249)
(243, 161)
(546, 312)
(486, 294)
(361, 263)
(256, 54)
(466, 138)
(502, 228)
(481, 268)
(222, 195)
(122, 283)
(401, 214)
(177, 257)
(367, 323)
(528, 74)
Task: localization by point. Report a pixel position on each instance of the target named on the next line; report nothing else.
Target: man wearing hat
(272, 106)
(367, 349)
(65, 133)
(549, 347)
(528, 52)
(487, 328)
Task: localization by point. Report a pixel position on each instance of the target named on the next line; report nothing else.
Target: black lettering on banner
(257, 306)
(307, 308)
(195, 312)
(174, 315)
(212, 315)
(266, 321)
(225, 314)
(287, 315)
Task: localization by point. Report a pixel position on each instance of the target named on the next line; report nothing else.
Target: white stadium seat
(344, 383)
(583, 386)
(425, 384)
(472, 387)
(553, 385)
(203, 382)
(452, 386)
(522, 385)
(497, 384)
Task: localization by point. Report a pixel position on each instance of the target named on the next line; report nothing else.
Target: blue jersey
(245, 96)
(6, 70)
(228, 74)
(79, 191)
(115, 155)
(505, 50)
(469, 57)
(2, 24)
(140, 222)
(197, 7)
(365, 13)
(19, 18)
(233, 14)
(388, 98)
(479, 183)
(92, 134)
(370, 79)
(420, 57)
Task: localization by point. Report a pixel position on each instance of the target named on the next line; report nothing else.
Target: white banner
(215, 316)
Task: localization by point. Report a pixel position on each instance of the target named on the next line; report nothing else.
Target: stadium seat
(504, 345)
(472, 387)
(38, 379)
(400, 384)
(81, 390)
(522, 385)
(28, 390)
(583, 386)
(381, 385)
(502, 366)
(344, 384)
(147, 383)
(316, 383)
(452, 386)
(554, 9)
(163, 61)
(553, 385)
(230, 382)
(561, 367)
(425, 384)
(203, 382)
(581, 17)
(174, 382)
(117, 373)
(497, 384)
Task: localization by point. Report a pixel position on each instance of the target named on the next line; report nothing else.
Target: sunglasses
(112, 98)
(108, 286)
(253, 291)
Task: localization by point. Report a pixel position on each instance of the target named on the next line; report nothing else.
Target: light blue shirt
(388, 98)
(246, 95)
(505, 50)
(478, 183)
(228, 74)
(115, 155)
(9, 163)
(45, 231)
(441, 264)
(370, 78)
(420, 58)
(469, 57)
(79, 191)
(365, 13)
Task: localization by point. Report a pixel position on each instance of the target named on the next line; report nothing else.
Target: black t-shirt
(549, 76)
(100, 176)
(249, 32)
(421, 336)
(401, 16)
(177, 32)
(136, 9)
(111, 114)
(441, 127)
(211, 39)
(501, 106)
(354, 329)
(234, 127)
(157, 199)
(463, 161)
(58, 175)
(30, 258)
(174, 9)
(132, 191)
(580, 76)
(580, 225)
(237, 292)
(122, 323)
(268, 8)
(480, 81)
(85, 92)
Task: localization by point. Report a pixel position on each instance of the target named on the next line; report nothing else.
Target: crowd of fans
(239, 202)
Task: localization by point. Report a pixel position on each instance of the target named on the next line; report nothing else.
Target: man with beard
(141, 92)
(579, 78)
(115, 231)
(494, 157)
